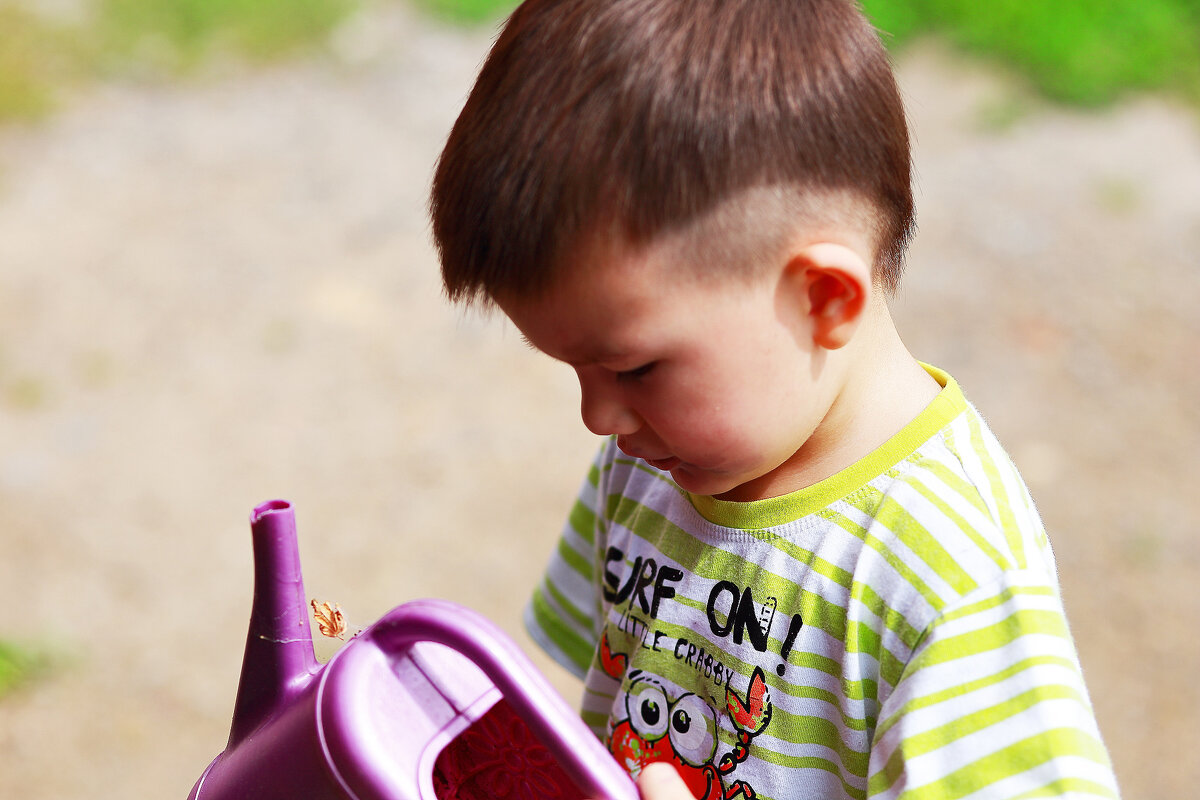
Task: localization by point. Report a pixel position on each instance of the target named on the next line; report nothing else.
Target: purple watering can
(432, 702)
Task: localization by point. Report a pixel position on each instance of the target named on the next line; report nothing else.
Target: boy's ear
(832, 285)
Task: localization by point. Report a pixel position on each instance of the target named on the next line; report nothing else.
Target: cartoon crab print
(683, 730)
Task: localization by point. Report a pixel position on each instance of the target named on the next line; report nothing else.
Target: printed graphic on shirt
(653, 722)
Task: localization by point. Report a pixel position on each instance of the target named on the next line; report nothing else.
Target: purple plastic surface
(371, 723)
(279, 657)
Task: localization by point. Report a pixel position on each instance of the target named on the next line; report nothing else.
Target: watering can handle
(549, 718)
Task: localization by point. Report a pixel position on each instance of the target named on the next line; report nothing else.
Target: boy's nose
(604, 410)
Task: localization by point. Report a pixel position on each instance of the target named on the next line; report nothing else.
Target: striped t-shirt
(895, 630)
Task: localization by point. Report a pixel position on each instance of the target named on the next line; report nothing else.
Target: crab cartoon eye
(693, 730)
(648, 710)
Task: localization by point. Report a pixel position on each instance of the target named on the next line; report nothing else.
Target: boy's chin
(702, 483)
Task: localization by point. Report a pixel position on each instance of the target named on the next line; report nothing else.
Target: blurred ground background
(216, 287)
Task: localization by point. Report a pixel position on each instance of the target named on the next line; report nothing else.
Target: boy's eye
(637, 372)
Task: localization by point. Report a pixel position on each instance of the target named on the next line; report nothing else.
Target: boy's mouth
(665, 464)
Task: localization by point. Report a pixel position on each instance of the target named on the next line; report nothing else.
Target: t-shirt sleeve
(562, 614)
(992, 704)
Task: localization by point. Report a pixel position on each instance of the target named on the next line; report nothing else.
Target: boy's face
(712, 379)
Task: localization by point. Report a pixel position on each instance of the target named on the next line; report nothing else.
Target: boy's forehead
(600, 308)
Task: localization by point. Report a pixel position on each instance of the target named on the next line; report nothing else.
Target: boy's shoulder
(964, 479)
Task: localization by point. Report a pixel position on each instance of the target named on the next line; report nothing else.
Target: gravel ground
(218, 293)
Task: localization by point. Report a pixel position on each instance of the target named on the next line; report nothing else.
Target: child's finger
(661, 782)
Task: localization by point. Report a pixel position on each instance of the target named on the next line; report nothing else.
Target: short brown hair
(648, 113)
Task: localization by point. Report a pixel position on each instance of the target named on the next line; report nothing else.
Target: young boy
(801, 566)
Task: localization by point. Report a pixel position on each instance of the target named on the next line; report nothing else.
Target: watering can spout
(279, 653)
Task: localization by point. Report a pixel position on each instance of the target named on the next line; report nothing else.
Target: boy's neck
(882, 389)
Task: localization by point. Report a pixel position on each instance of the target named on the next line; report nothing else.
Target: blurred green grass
(185, 32)
(468, 12)
(19, 665)
(35, 55)
(1083, 52)
(41, 54)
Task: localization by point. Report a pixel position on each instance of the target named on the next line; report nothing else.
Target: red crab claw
(753, 715)
(742, 788)
(612, 663)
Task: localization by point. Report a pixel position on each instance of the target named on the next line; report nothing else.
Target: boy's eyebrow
(591, 357)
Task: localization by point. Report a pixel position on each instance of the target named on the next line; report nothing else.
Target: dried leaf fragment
(330, 621)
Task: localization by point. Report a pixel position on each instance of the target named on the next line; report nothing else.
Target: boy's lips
(665, 464)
